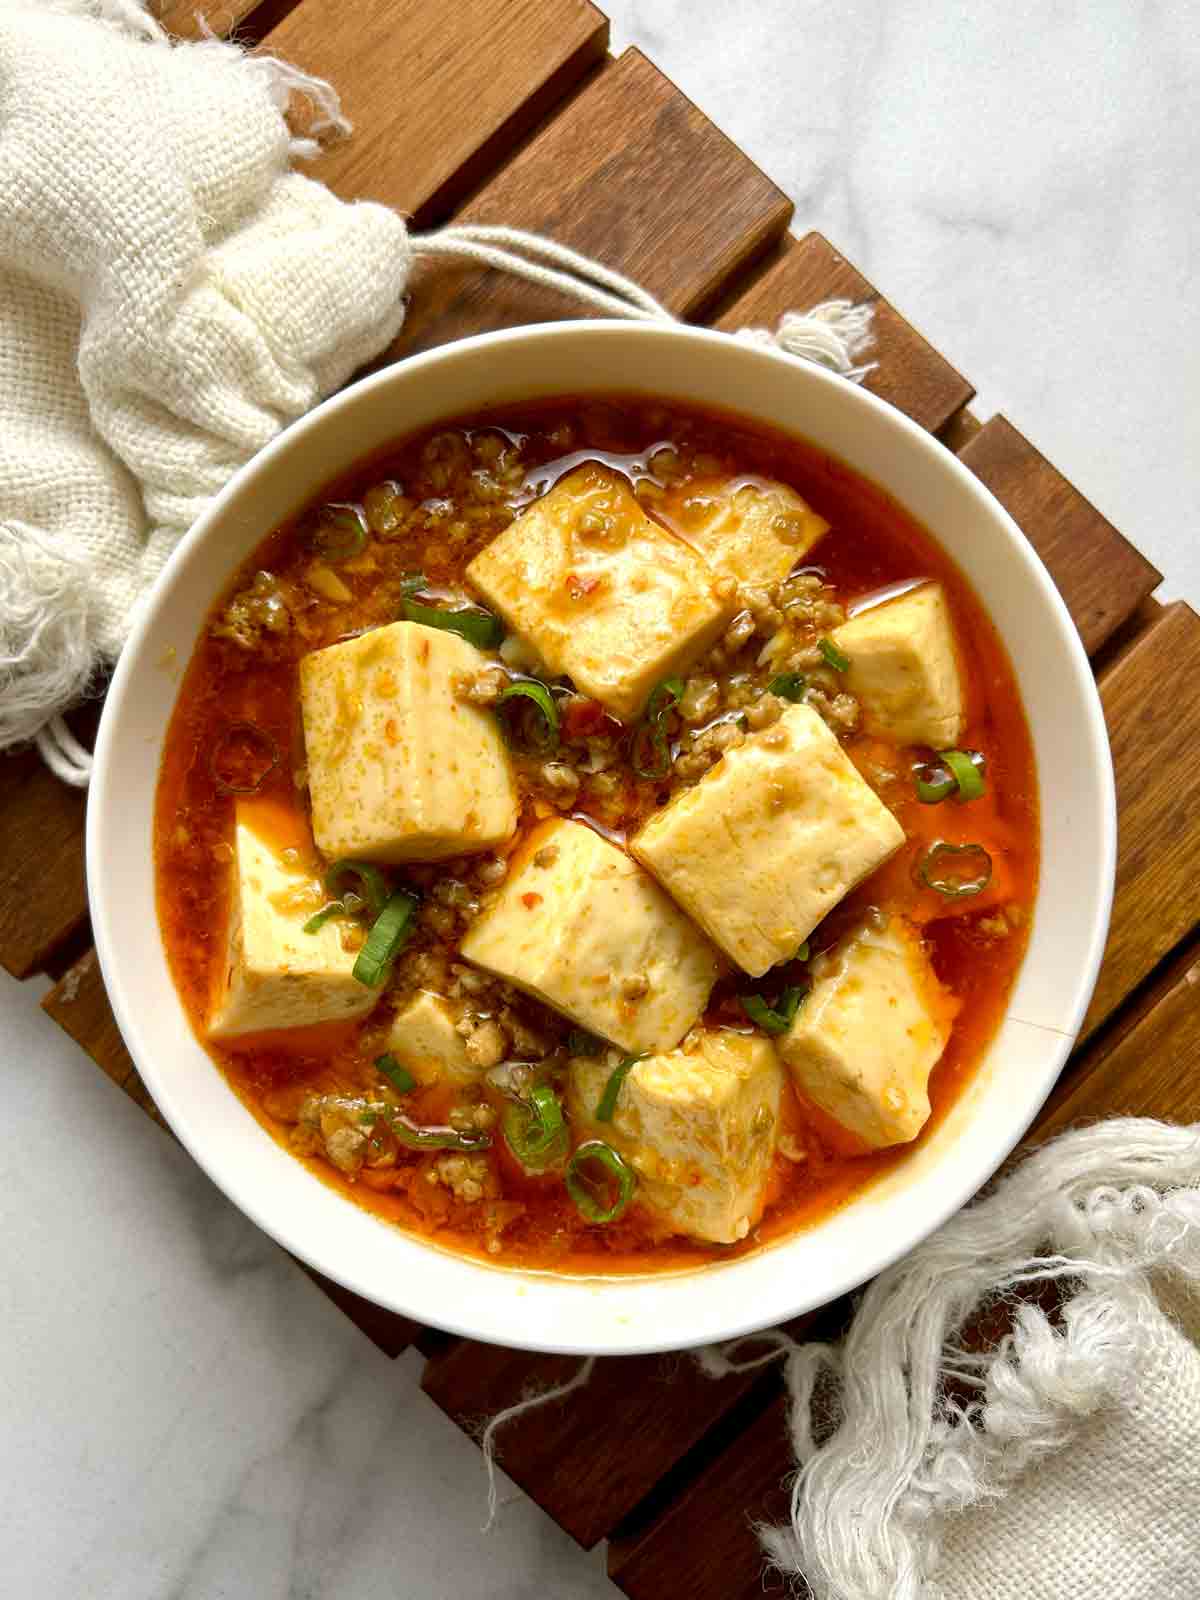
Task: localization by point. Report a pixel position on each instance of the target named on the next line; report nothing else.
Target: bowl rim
(102, 816)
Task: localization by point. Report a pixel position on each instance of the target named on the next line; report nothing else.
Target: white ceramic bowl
(612, 1315)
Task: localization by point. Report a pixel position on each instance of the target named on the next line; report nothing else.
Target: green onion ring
(789, 686)
(340, 532)
(652, 731)
(415, 1137)
(608, 1100)
(934, 782)
(373, 882)
(317, 921)
(944, 858)
(472, 623)
(595, 1150)
(400, 1078)
(524, 689)
(388, 934)
(835, 658)
(534, 1130)
(775, 1019)
(804, 952)
(966, 765)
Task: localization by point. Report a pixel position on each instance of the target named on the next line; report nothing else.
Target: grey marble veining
(183, 1416)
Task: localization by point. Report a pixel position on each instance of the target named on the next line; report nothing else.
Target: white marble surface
(183, 1414)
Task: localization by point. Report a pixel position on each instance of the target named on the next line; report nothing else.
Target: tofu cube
(769, 840)
(699, 1129)
(603, 594)
(904, 668)
(754, 532)
(867, 1037)
(400, 768)
(424, 1039)
(580, 926)
(275, 975)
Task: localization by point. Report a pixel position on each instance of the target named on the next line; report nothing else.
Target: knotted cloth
(172, 294)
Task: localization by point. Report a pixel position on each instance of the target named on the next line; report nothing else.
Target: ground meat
(706, 749)
(468, 1177)
(761, 713)
(486, 1042)
(482, 688)
(257, 613)
(561, 780)
(701, 698)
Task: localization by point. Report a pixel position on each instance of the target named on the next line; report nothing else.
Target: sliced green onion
(773, 1019)
(835, 658)
(788, 686)
(400, 1078)
(542, 727)
(414, 1137)
(317, 921)
(388, 934)
(934, 782)
(373, 882)
(534, 1130)
(340, 532)
(954, 771)
(955, 870)
(582, 1043)
(608, 1100)
(585, 1191)
(472, 623)
(650, 753)
(804, 952)
(967, 767)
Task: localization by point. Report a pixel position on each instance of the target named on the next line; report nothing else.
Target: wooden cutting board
(513, 111)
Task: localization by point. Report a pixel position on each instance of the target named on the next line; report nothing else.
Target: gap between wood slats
(628, 171)
(908, 372)
(438, 96)
(1100, 575)
(1153, 714)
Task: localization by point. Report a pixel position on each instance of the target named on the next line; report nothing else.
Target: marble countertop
(184, 1414)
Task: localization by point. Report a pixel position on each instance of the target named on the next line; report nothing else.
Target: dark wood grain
(590, 1458)
(78, 1002)
(43, 887)
(704, 1546)
(1150, 1066)
(1152, 708)
(629, 172)
(1100, 575)
(435, 106)
(908, 372)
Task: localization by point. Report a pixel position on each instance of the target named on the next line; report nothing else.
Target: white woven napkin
(1074, 1471)
(170, 297)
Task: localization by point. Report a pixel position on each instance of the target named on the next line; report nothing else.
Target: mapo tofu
(598, 834)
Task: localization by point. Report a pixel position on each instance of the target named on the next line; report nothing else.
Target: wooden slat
(630, 173)
(1150, 1069)
(704, 1546)
(1101, 576)
(589, 1459)
(187, 19)
(437, 95)
(79, 1004)
(909, 373)
(1152, 708)
(43, 891)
